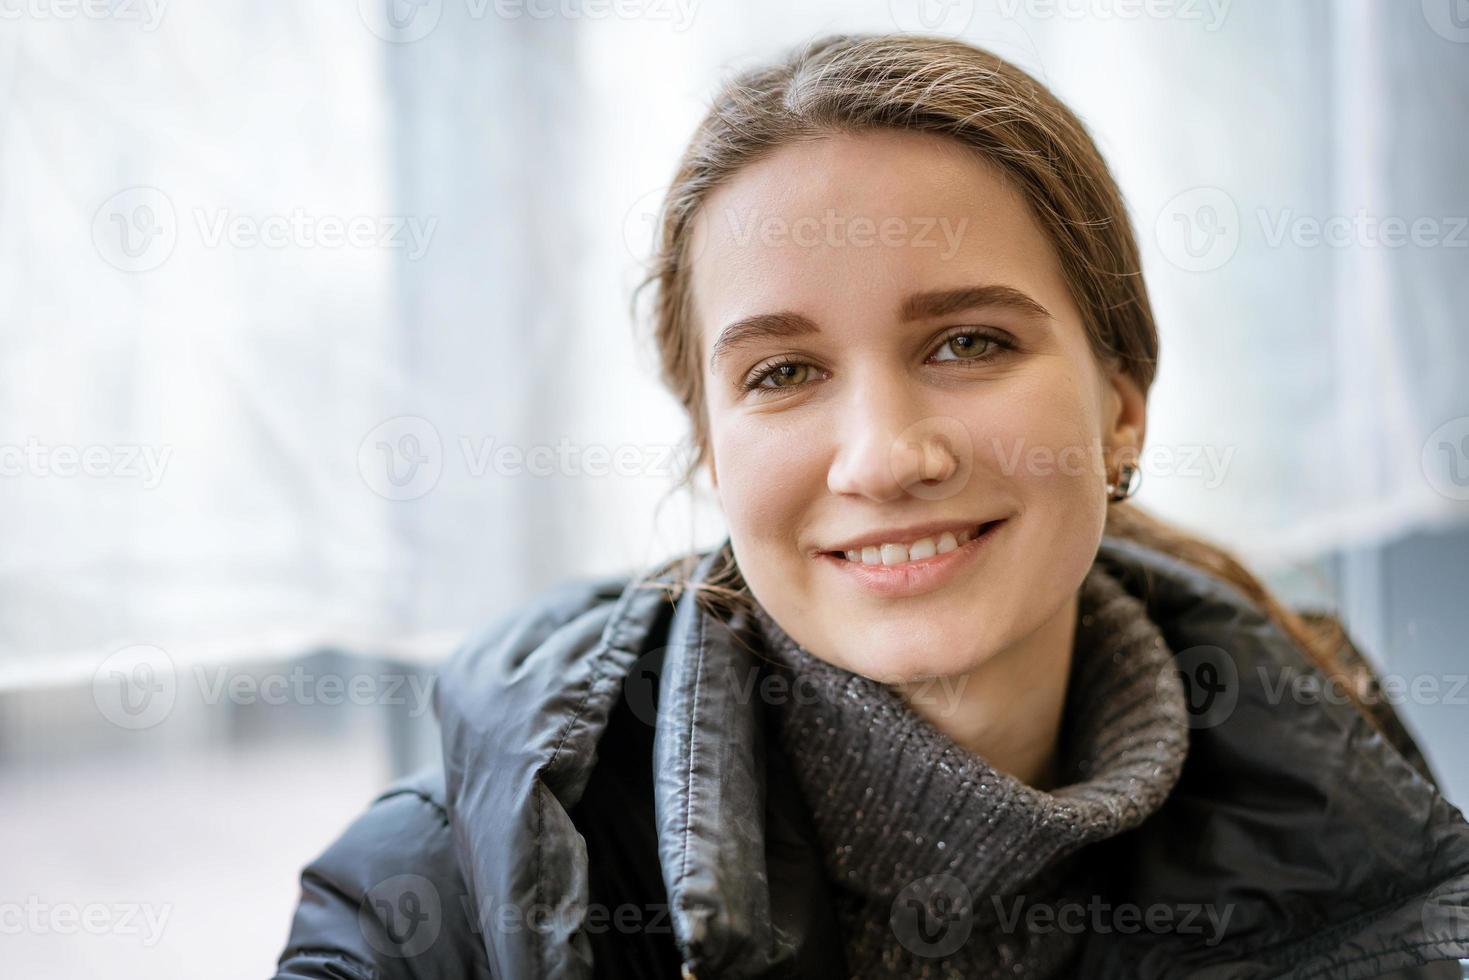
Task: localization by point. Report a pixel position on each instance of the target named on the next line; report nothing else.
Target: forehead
(842, 227)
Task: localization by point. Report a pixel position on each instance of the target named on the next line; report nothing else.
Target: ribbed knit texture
(896, 802)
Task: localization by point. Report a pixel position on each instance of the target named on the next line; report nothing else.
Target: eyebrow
(919, 306)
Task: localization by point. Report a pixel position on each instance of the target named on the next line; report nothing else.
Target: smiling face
(892, 363)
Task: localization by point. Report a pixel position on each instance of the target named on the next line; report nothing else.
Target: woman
(944, 703)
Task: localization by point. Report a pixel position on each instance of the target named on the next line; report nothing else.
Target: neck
(894, 799)
(1009, 709)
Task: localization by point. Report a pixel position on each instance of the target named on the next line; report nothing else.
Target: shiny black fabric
(612, 803)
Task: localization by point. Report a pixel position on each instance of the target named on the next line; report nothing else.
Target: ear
(1125, 419)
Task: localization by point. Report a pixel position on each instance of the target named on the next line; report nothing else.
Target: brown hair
(852, 83)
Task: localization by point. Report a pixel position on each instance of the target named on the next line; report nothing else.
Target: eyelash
(756, 380)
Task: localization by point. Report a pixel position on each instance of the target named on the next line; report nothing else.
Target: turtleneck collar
(895, 800)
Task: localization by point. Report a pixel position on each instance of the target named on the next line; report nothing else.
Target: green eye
(967, 346)
(785, 375)
(789, 373)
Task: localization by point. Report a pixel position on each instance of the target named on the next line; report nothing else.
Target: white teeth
(896, 554)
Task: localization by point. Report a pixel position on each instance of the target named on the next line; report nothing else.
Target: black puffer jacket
(611, 805)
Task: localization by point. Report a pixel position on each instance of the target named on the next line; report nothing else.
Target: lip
(914, 577)
(911, 532)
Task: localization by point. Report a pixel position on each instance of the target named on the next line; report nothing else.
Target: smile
(904, 568)
(900, 552)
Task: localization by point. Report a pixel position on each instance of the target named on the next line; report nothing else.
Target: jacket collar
(1327, 848)
(741, 864)
(1329, 851)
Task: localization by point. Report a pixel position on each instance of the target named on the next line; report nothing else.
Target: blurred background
(316, 354)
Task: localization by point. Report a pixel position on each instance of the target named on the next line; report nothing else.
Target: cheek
(1044, 439)
(1044, 449)
(768, 472)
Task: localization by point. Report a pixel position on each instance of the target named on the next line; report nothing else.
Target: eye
(782, 374)
(967, 345)
(970, 344)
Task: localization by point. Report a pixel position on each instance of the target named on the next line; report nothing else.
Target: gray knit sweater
(946, 867)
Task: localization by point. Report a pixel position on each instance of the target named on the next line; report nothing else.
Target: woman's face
(892, 361)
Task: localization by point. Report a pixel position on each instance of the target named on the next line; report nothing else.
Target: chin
(906, 661)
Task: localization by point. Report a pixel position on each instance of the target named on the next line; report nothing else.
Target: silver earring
(1129, 478)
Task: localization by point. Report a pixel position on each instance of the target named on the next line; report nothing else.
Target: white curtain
(1291, 170)
(315, 325)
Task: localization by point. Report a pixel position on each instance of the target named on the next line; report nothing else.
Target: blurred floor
(184, 845)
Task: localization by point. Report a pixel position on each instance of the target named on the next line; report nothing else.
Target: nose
(889, 448)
